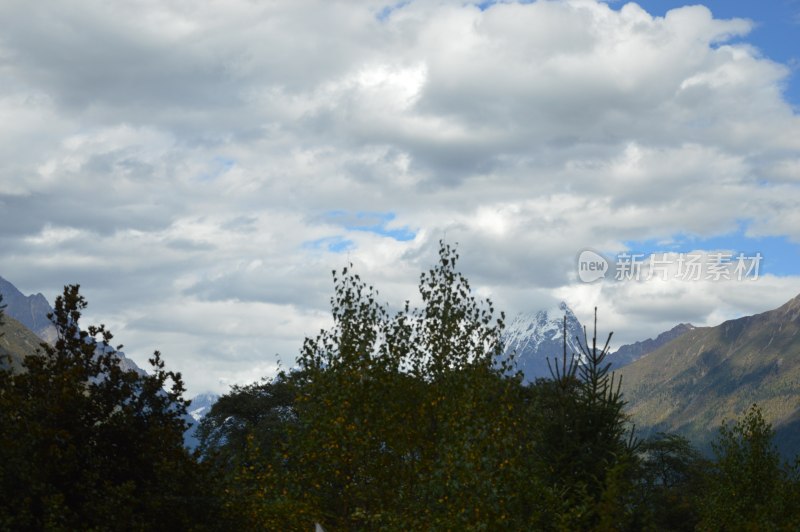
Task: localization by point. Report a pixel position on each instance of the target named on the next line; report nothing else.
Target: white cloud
(177, 158)
(639, 310)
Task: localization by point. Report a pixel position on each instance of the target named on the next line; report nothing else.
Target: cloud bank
(200, 168)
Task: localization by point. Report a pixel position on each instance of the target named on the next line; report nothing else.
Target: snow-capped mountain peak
(534, 337)
(201, 405)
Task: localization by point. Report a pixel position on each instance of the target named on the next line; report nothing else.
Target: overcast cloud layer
(200, 168)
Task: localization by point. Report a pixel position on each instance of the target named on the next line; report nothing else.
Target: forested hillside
(709, 374)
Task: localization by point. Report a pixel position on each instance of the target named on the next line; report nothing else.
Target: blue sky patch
(334, 244)
(780, 255)
(387, 11)
(775, 30)
(370, 222)
(218, 166)
(225, 162)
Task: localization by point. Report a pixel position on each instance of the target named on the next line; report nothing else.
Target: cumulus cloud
(200, 168)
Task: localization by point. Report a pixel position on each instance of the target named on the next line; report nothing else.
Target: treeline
(407, 420)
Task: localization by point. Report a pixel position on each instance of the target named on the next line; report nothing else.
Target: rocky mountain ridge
(534, 337)
(708, 374)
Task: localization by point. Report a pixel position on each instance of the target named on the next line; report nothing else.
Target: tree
(257, 413)
(85, 444)
(671, 481)
(747, 488)
(403, 421)
(586, 450)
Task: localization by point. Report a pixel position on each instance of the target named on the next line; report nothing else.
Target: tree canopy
(415, 420)
(85, 444)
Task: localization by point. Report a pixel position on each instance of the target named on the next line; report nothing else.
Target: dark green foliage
(411, 422)
(404, 421)
(586, 451)
(668, 460)
(257, 413)
(746, 487)
(400, 422)
(672, 475)
(87, 445)
(2, 312)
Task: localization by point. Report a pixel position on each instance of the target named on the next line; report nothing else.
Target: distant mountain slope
(27, 325)
(201, 405)
(708, 374)
(631, 352)
(534, 337)
(16, 343)
(30, 311)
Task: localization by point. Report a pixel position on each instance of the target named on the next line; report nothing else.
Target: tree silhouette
(747, 488)
(85, 444)
(403, 421)
(586, 447)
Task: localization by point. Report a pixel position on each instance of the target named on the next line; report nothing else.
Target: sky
(200, 168)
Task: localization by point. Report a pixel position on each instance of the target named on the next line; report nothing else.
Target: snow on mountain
(201, 405)
(535, 337)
